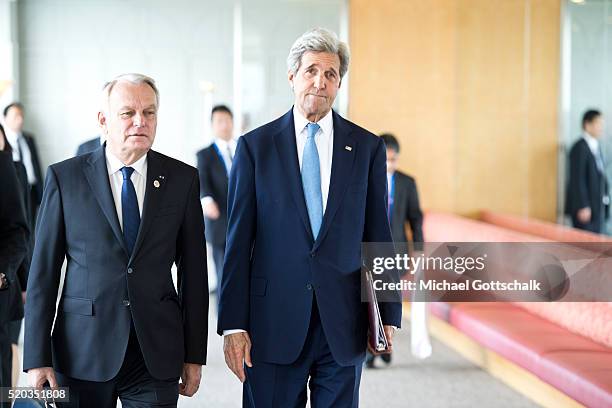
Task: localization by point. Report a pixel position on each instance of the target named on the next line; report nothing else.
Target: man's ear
(290, 77)
(102, 120)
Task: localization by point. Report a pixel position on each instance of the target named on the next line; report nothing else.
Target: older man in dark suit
(305, 191)
(120, 216)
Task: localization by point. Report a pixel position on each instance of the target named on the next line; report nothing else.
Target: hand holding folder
(377, 338)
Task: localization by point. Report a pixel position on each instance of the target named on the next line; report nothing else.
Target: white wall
(69, 48)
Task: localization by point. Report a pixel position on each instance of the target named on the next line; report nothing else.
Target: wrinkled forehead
(322, 59)
(125, 93)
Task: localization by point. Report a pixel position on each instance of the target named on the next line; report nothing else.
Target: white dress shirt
(227, 148)
(139, 179)
(18, 143)
(324, 139)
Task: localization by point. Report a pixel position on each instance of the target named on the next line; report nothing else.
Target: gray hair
(132, 78)
(318, 40)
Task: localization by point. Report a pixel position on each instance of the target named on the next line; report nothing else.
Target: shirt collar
(114, 165)
(224, 144)
(326, 122)
(591, 141)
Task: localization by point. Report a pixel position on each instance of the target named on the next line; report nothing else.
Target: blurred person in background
(403, 207)
(13, 248)
(214, 165)
(24, 150)
(588, 195)
(24, 266)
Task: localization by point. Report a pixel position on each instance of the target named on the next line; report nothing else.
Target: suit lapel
(218, 163)
(342, 166)
(96, 174)
(155, 187)
(287, 151)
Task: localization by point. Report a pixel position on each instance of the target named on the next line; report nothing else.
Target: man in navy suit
(588, 196)
(214, 165)
(305, 191)
(120, 216)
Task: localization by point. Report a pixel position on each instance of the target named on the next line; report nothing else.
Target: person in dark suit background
(403, 201)
(214, 165)
(89, 146)
(120, 216)
(403, 207)
(24, 266)
(588, 195)
(305, 191)
(24, 149)
(13, 248)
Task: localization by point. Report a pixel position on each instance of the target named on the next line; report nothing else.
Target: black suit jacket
(13, 238)
(26, 197)
(88, 146)
(406, 208)
(37, 189)
(214, 183)
(105, 288)
(587, 187)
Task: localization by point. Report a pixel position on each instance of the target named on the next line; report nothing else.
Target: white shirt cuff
(233, 331)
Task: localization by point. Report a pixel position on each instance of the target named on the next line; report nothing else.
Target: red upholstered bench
(574, 364)
(543, 229)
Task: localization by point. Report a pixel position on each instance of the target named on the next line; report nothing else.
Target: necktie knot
(312, 128)
(127, 172)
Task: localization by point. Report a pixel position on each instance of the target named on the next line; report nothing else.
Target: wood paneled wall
(470, 88)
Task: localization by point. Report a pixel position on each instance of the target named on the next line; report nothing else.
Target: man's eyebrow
(315, 64)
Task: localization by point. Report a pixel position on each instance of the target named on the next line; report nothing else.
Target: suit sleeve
(377, 229)
(242, 218)
(204, 176)
(44, 277)
(578, 178)
(193, 278)
(414, 216)
(13, 224)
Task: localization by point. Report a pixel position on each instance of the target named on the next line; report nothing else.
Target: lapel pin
(156, 183)
(349, 148)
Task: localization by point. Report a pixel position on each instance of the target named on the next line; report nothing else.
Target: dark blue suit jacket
(78, 222)
(273, 266)
(213, 183)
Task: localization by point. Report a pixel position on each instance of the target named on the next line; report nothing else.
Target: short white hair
(132, 78)
(318, 40)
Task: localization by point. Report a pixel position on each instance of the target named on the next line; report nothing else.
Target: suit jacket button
(126, 303)
(309, 286)
(130, 270)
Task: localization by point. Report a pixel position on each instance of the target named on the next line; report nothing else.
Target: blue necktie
(311, 180)
(129, 209)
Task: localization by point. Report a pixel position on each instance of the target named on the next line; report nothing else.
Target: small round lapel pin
(156, 183)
